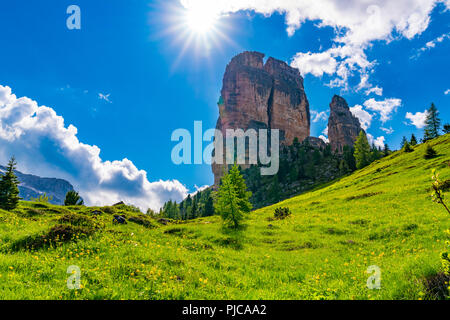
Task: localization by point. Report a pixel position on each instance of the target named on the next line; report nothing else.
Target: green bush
(282, 213)
(430, 153)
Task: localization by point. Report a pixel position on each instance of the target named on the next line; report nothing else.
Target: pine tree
(362, 151)
(432, 124)
(375, 153)
(349, 157)
(447, 128)
(430, 153)
(232, 198)
(343, 167)
(73, 199)
(386, 150)
(209, 207)
(403, 143)
(9, 191)
(413, 141)
(407, 147)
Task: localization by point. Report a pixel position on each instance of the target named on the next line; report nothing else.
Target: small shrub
(73, 199)
(142, 221)
(78, 220)
(109, 210)
(30, 212)
(282, 213)
(430, 153)
(407, 148)
(436, 287)
(57, 234)
(43, 198)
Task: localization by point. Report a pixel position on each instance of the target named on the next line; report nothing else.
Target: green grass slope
(381, 215)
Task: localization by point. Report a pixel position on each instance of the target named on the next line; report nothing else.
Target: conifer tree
(362, 151)
(209, 207)
(447, 128)
(73, 199)
(386, 150)
(432, 124)
(430, 153)
(9, 191)
(403, 143)
(413, 141)
(232, 198)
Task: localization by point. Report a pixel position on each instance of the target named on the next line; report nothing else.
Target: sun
(201, 19)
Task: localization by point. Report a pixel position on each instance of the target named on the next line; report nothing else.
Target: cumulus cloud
(447, 92)
(378, 142)
(319, 116)
(316, 64)
(418, 119)
(43, 145)
(385, 108)
(324, 139)
(364, 117)
(356, 24)
(199, 189)
(375, 90)
(388, 130)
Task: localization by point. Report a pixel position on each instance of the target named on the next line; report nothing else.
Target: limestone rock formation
(258, 95)
(343, 126)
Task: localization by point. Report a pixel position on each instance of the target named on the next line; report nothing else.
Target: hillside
(381, 215)
(32, 186)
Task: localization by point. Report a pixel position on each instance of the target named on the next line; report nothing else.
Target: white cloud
(324, 139)
(431, 44)
(325, 131)
(388, 130)
(417, 119)
(364, 117)
(378, 142)
(385, 108)
(356, 24)
(375, 90)
(43, 145)
(319, 116)
(370, 89)
(198, 189)
(316, 64)
(447, 92)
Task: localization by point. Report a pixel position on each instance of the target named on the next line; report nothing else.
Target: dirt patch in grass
(363, 196)
(79, 220)
(360, 222)
(337, 232)
(229, 242)
(30, 212)
(57, 235)
(142, 222)
(181, 232)
(306, 245)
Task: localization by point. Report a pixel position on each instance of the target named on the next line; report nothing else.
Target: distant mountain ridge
(32, 186)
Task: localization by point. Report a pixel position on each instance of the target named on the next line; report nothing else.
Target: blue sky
(126, 84)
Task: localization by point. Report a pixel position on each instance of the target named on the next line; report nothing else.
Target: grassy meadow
(382, 215)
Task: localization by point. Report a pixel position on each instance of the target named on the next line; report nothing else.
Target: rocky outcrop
(343, 126)
(33, 186)
(262, 96)
(315, 142)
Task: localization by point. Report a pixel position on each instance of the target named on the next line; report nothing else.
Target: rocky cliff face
(262, 96)
(33, 186)
(343, 126)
